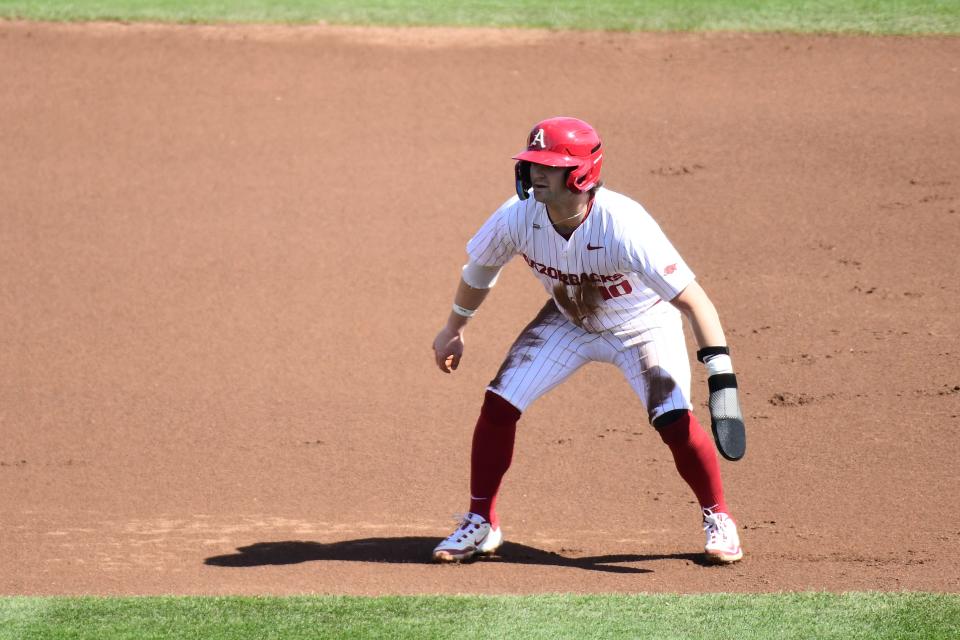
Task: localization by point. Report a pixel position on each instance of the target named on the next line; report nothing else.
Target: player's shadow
(416, 550)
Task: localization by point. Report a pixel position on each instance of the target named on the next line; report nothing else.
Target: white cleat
(723, 542)
(474, 536)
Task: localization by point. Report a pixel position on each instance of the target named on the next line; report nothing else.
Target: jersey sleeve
(493, 245)
(651, 255)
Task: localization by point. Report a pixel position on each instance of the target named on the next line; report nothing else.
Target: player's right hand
(448, 349)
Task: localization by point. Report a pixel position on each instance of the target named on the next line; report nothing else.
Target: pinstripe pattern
(650, 352)
(606, 282)
(619, 249)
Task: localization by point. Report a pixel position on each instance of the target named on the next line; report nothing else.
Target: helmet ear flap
(585, 176)
(522, 172)
(576, 176)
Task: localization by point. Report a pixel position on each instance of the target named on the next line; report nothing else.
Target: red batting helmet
(562, 142)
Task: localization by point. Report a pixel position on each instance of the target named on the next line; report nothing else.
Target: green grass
(840, 16)
(715, 616)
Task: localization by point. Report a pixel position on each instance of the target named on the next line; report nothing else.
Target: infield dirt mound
(224, 254)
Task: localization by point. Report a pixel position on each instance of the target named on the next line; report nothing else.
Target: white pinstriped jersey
(616, 265)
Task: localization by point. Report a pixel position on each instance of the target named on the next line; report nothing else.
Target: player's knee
(673, 426)
(498, 410)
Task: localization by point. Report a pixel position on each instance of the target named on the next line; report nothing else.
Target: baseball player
(618, 292)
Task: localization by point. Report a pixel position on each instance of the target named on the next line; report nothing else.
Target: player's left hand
(726, 420)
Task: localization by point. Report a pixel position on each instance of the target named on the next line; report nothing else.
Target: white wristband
(463, 311)
(720, 363)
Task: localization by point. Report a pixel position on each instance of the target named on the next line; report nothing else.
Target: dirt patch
(225, 251)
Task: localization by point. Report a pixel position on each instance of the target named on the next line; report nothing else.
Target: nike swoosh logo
(590, 247)
(536, 226)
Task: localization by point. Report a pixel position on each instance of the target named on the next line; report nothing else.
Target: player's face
(549, 183)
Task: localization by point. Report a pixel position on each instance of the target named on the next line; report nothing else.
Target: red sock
(696, 460)
(492, 453)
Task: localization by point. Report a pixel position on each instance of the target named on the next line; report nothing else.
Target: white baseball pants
(650, 351)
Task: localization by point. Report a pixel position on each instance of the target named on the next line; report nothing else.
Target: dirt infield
(225, 251)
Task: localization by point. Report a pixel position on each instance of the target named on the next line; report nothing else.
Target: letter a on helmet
(537, 140)
(562, 142)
